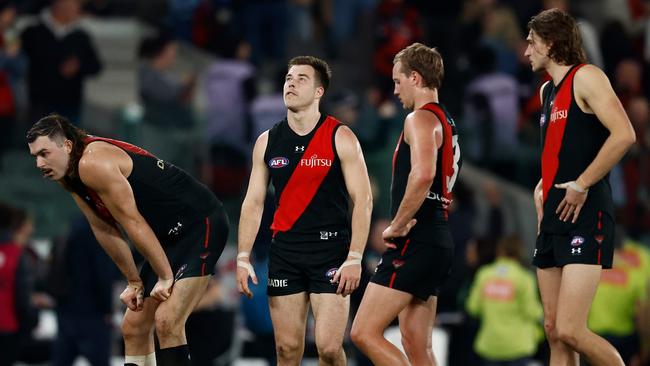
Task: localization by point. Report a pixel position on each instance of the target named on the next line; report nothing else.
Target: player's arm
(111, 240)
(251, 215)
(100, 172)
(357, 183)
(592, 87)
(423, 133)
(538, 194)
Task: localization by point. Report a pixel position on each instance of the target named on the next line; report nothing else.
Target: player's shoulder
(589, 74)
(345, 132)
(99, 156)
(421, 118)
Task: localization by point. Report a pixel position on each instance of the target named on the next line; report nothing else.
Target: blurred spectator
(265, 29)
(17, 315)
(635, 166)
(267, 108)
(302, 23)
(342, 19)
(628, 78)
(588, 32)
(616, 46)
(478, 253)
(462, 215)
(61, 55)
(620, 297)
(82, 278)
(398, 25)
(491, 112)
(166, 99)
(12, 69)
(215, 25)
(504, 297)
(502, 34)
(230, 88)
(180, 17)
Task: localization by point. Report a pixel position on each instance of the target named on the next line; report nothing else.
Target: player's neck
(303, 121)
(424, 96)
(557, 72)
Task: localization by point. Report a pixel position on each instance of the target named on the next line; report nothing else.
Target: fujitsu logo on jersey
(314, 161)
(561, 114)
(279, 162)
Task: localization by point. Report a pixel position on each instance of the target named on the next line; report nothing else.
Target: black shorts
(592, 243)
(419, 267)
(304, 267)
(194, 253)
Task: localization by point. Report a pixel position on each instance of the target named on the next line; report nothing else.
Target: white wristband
(355, 255)
(247, 266)
(356, 260)
(576, 187)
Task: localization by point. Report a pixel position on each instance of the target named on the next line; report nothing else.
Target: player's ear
(415, 77)
(320, 91)
(67, 145)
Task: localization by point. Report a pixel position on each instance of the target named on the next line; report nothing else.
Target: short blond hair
(426, 61)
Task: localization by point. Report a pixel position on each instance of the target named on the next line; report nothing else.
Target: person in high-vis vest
(504, 298)
(621, 297)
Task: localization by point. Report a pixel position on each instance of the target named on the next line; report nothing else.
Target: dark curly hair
(59, 129)
(560, 31)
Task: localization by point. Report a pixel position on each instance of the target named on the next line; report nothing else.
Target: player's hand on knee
(245, 270)
(133, 295)
(573, 201)
(163, 289)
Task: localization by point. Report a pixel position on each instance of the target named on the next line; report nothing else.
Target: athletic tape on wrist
(576, 187)
(243, 255)
(349, 262)
(355, 255)
(247, 266)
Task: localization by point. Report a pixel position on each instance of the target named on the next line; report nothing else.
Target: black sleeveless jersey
(571, 140)
(448, 163)
(166, 196)
(310, 193)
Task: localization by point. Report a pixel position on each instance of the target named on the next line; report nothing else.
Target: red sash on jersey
(121, 144)
(555, 131)
(306, 178)
(447, 148)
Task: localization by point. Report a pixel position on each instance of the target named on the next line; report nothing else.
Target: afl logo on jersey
(279, 162)
(577, 241)
(330, 273)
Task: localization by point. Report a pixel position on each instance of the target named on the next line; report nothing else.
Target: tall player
(585, 132)
(425, 167)
(174, 221)
(314, 163)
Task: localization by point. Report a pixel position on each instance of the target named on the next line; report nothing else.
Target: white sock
(150, 359)
(136, 360)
